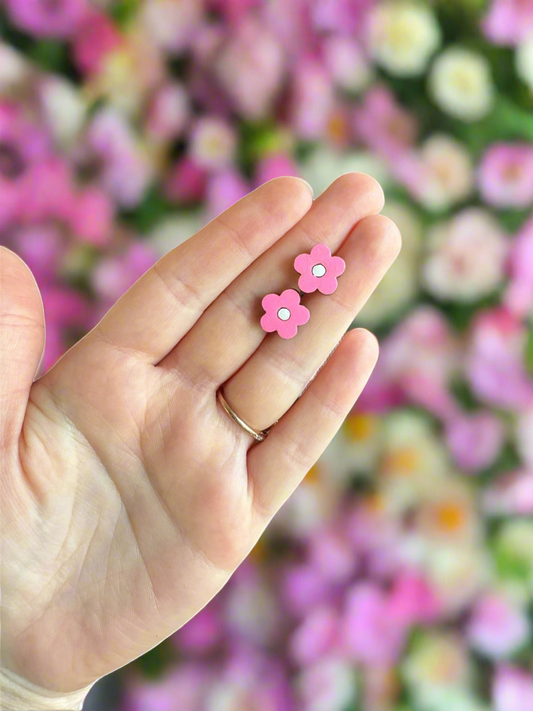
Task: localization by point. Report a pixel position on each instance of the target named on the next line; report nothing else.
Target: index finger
(159, 309)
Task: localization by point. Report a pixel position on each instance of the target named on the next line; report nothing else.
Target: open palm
(129, 496)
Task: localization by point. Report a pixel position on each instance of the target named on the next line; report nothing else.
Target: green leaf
(154, 662)
(50, 55)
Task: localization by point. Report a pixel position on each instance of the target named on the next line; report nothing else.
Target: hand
(129, 496)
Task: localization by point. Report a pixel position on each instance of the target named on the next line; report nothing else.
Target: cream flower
(448, 175)
(403, 36)
(467, 257)
(524, 61)
(437, 665)
(461, 84)
(65, 108)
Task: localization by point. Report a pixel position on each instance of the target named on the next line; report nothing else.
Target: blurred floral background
(399, 576)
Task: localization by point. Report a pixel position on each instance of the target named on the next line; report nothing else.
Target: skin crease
(128, 496)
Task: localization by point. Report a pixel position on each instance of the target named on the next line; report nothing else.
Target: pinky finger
(278, 464)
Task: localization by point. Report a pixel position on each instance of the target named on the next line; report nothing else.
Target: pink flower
(371, 634)
(273, 166)
(49, 192)
(224, 188)
(126, 167)
(506, 175)
(475, 440)
(509, 21)
(114, 275)
(519, 295)
(497, 628)
(184, 688)
(92, 216)
(313, 99)
(303, 587)
(22, 148)
(332, 555)
(412, 600)
(48, 18)
(202, 633)
(95, 38)
(249, 53)
(495, 363)
(168, 112)
(383, 125)
(420, 357)
(42, 248)
(512, 689)
(510, 495)
(284, 313)
(319, 270)
(316, 636)
(186, 181)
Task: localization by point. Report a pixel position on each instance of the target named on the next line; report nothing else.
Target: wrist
(17, 694)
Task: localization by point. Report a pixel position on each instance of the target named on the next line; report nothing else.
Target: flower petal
(308, 283)
(289, 298)
(336, 266)
(328, 284)
(302, 263)
(270, 322)
(301, 315)
(271, 302)
(288, 329)
(320, 253)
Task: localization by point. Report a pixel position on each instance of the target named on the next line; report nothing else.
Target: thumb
(22, 337)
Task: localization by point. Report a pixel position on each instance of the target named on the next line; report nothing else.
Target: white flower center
(318, 270)
(284, 314)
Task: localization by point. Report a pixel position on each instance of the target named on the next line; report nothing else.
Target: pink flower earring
(284, 313)
(319, 270)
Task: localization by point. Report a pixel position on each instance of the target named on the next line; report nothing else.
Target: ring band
(258, 436)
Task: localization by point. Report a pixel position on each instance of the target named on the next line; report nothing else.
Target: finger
(274, 377)
(229, 331)
(162, 306)
(277, 465)
(21, 342)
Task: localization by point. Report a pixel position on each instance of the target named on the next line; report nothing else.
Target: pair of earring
(318, 272)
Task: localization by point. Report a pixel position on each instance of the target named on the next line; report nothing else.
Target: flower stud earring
(319, 270)
(284, 313)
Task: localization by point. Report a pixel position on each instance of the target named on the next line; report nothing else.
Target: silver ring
(258, 436)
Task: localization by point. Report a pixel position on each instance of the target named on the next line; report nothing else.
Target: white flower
(467, 257)
(456, 571)
(346, 62)
(413, 461)
(64, 107)
(524, 61)
(448, 175)
(437, 666)
(461, 84)
(399, 287)
(328, 684)
(13, 67)
(403, 36)
(213, 142)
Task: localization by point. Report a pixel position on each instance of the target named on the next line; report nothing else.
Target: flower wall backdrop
(400, 575)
